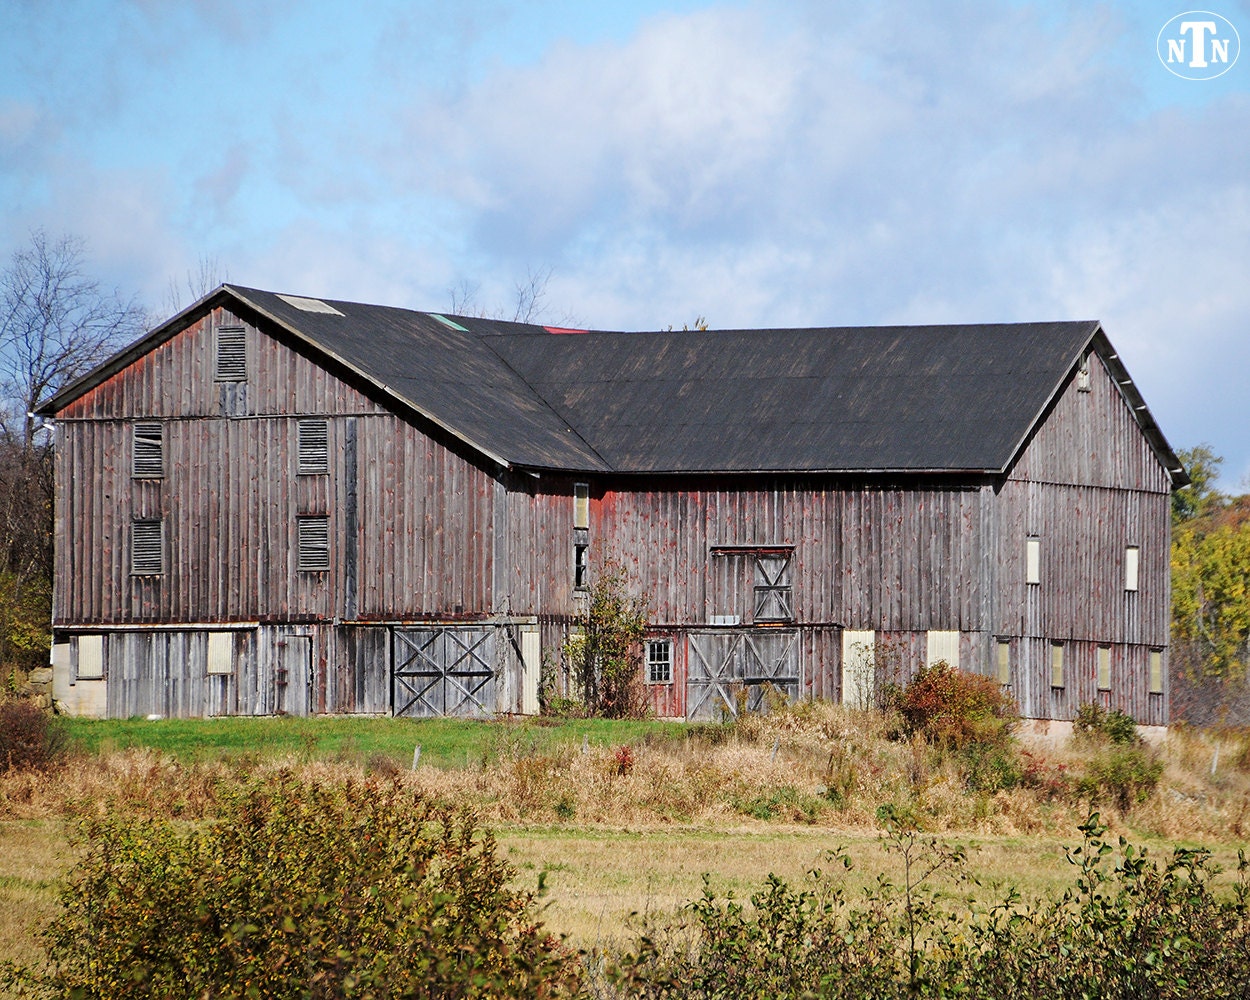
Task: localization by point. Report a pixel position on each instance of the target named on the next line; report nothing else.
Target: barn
(280, 504)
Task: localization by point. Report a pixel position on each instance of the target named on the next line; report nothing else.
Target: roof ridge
(485, 340)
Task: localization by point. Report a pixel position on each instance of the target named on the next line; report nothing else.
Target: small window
(1104, 668)
(660, 661)
(1156, 671)
(1056, 664)
(220, 653)
(149, 451)
(314, 453)
(1132, 563)
(580, 566)
(147, 547)
(1033, 560)
(314, 543)
(1004, 661)
(90, 657)
(581, 505)
(773, 591)
(231, 354)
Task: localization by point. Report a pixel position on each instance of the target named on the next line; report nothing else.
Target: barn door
(444, 671)
(769, 659)
(293, 675)
(712, 680)
(721, 664)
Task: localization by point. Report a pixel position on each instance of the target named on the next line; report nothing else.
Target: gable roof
(957, 398)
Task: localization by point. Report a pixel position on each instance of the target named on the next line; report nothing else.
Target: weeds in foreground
(1129, 927)
(296, 888)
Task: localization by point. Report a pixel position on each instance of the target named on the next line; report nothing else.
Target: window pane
(1004, 662)
(660, 662)
(581, 505)
(1104, 668)
(1056, 665)
(1156, 671)
(1033, 560)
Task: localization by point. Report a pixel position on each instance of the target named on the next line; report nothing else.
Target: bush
(31, 739)
(1120, 775)
(952, 709)
(301, 890)
(1115, 726)
(1128, 927)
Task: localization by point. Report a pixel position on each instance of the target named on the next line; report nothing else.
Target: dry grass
(612, 834)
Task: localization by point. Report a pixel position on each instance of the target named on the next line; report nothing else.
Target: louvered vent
(149, 459)
(314, 455)
(147, 548)
(314, 543)
(231, 354)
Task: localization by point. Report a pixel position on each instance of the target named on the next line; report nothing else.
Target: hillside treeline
(1210, 597)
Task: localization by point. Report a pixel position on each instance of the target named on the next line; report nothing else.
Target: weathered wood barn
(277, 504)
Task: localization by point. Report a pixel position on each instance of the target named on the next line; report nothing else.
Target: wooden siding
(422, 532)
(1092, 439)
(863, 557)
(1083, 533)
(412, 524)
(177, 379)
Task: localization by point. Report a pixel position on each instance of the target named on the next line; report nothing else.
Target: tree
(529, 303)
(606, 656)
(56, 323)
(1200, 496)
(208, 276)
(1210, 583)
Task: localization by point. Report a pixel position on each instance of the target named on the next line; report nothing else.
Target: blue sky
(756, 163)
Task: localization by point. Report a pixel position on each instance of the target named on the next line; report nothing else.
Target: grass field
(604, 837)
(445, 743)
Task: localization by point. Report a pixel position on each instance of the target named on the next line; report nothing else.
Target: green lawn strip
(447, 743)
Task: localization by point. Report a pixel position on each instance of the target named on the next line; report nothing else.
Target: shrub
(1128, 927)
(606, 656)
(301, 889)
(1120, 775)
(1093, 720)
(30, 737)
(950, 708)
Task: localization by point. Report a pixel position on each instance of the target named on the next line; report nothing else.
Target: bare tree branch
(56, 323)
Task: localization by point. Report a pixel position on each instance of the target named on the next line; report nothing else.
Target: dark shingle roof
(863, 399)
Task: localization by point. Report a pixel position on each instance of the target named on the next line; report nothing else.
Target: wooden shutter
(314, 543)
(231, 354)
(220, 652)
(1132, 562)
(149, 448)
(1104, 668)
(147, 548)
(314, 454)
